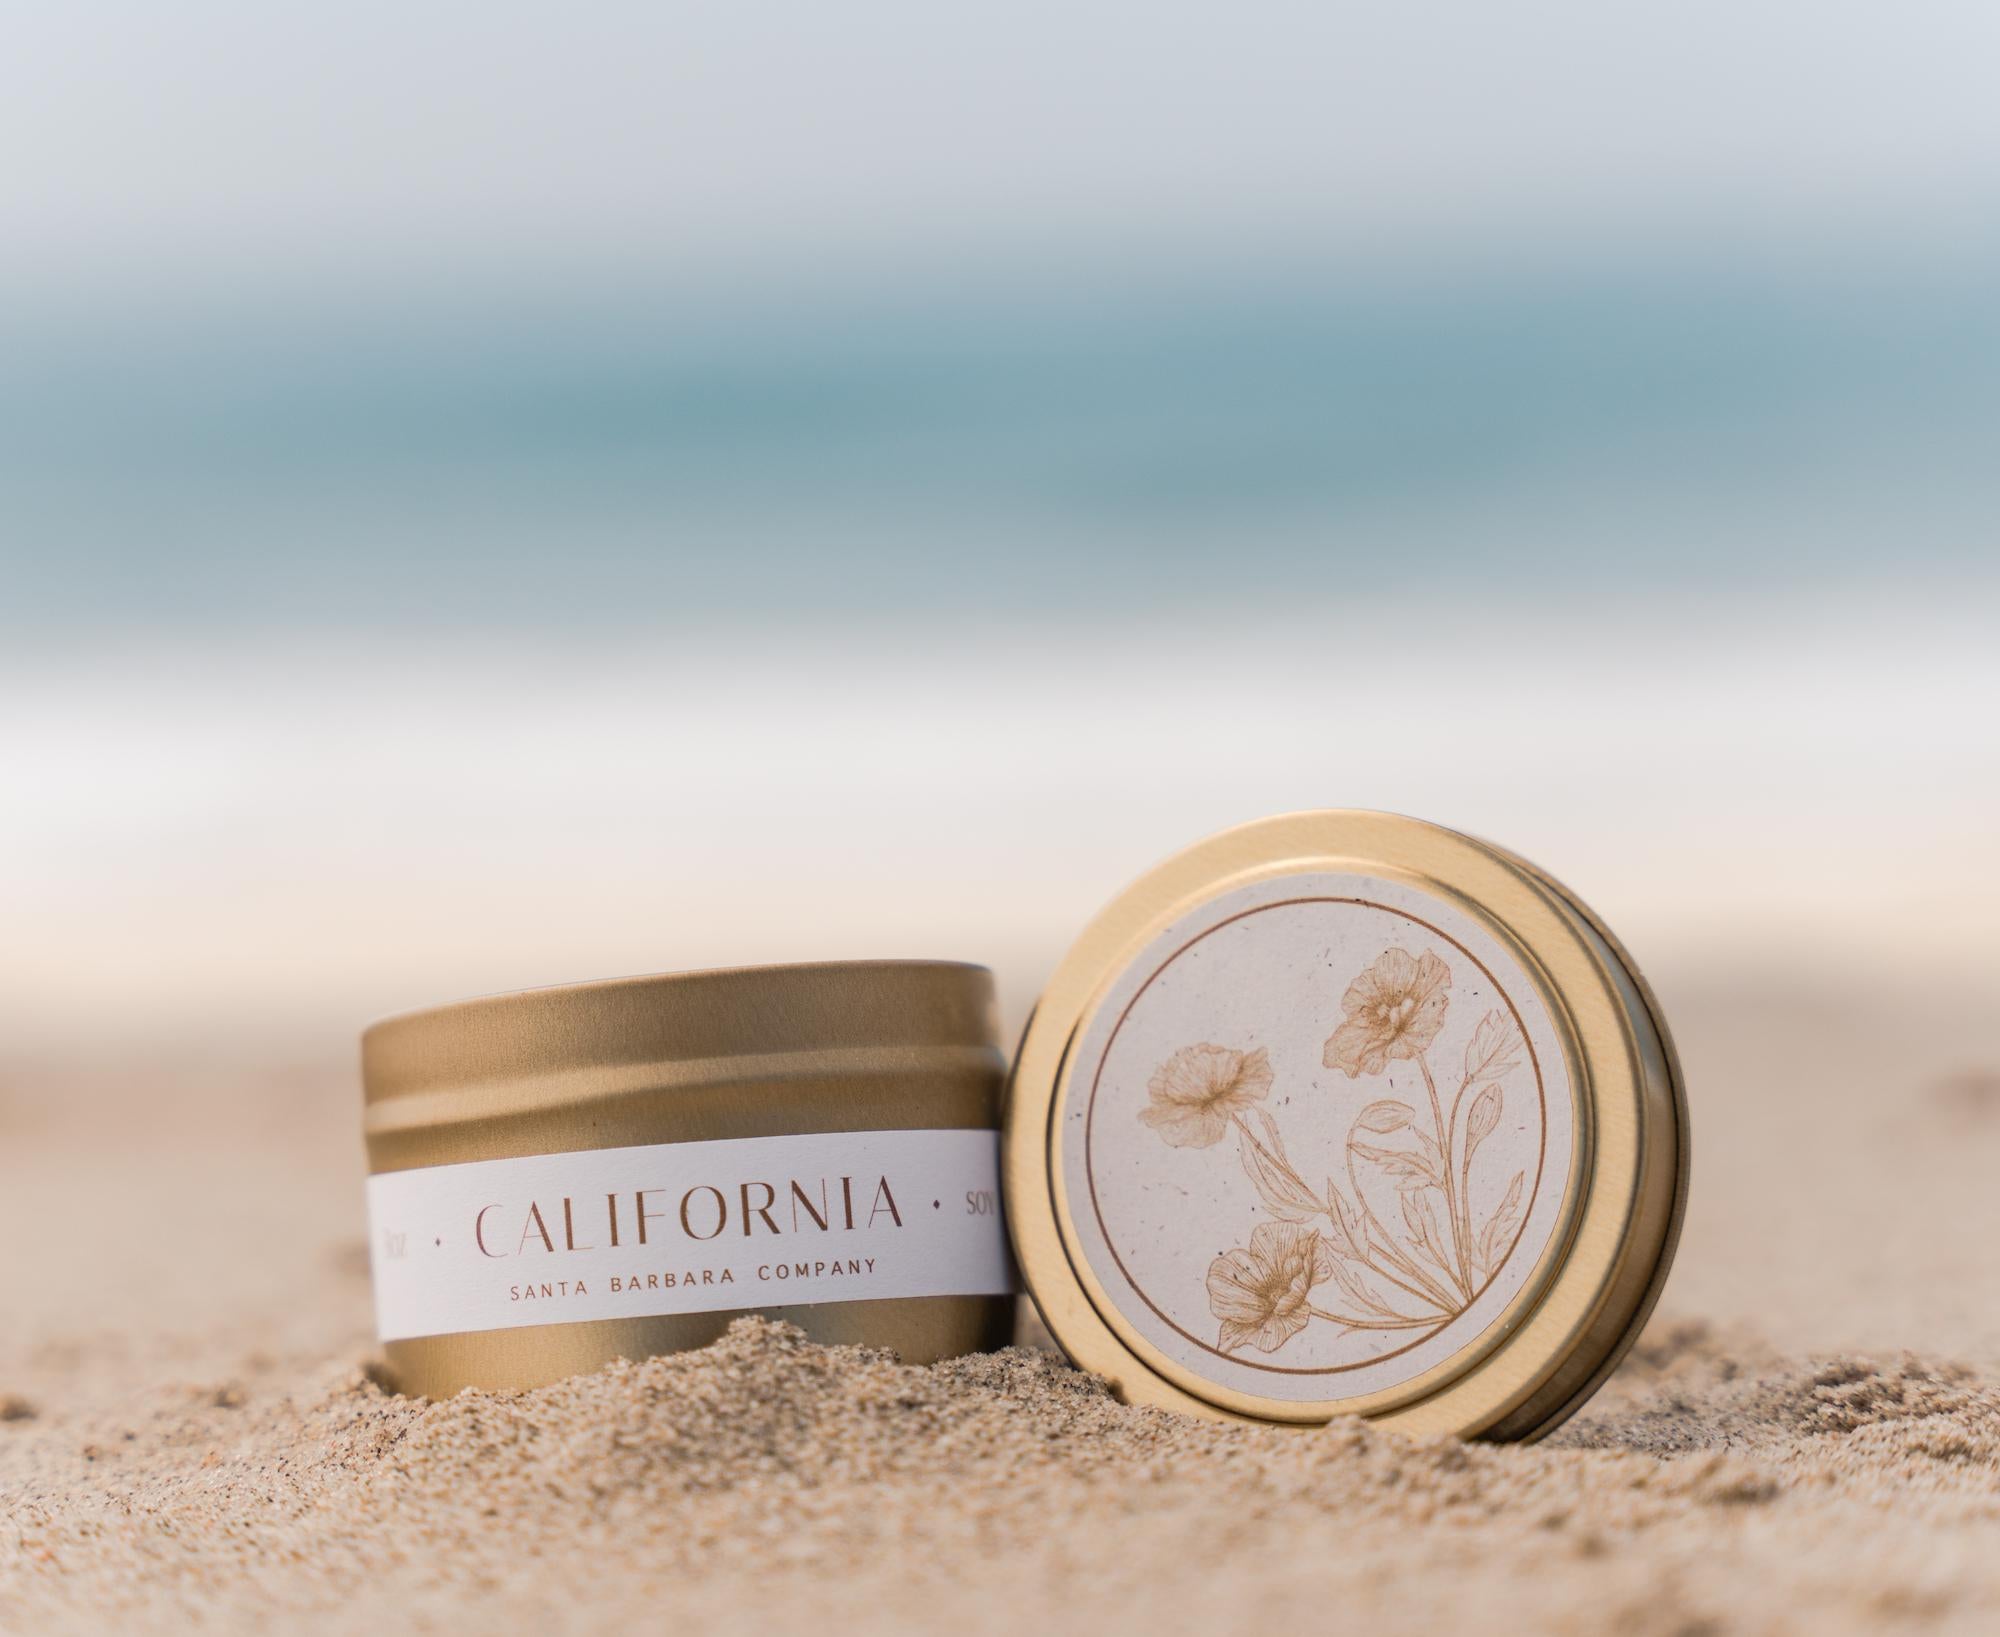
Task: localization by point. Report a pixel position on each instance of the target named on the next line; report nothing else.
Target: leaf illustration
(1383, 1117)
(1358, 1293)
(1497, 1237)
(1274, 1139)
(1411, 1170)
(1485, 1116)
(1414, 1220)
(1345, 1224)
(1277, 1184)
(1420, 1217)
(1491, 1051)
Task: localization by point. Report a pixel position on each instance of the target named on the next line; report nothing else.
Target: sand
(1807, 1438)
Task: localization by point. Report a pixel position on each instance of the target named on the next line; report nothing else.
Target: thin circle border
(1541, 1146)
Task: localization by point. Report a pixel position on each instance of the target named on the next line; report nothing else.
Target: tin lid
(681, 1057)
(1344, 1113)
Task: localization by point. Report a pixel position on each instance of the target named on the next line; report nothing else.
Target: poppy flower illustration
(1394, 1009)
(1401, 1242)
(1263, 1295)
(1194, 1094)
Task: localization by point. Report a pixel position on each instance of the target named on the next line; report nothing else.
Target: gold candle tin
(1343, 1113)
(566, 1176)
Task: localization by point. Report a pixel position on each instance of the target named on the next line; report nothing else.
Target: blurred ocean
(361, 656)
(643, 459)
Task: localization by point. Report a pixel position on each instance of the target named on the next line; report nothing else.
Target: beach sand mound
(767, 1478)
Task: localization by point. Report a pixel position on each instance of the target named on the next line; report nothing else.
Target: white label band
(699, 1227)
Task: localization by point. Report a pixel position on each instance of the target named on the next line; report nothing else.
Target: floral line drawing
(1414, 1279)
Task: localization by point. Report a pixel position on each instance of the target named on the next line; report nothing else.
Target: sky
(226, 145)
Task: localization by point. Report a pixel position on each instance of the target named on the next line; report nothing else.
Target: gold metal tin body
(686, 1057)
(1227, 1131)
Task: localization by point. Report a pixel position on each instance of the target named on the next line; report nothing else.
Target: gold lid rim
(790, 1015)
(684, 1057)
(642, 980)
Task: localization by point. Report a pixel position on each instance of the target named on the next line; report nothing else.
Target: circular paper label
(1315, 1139)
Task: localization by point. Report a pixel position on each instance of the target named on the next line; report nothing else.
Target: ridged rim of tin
(1669, 1246)
(681, 1020)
